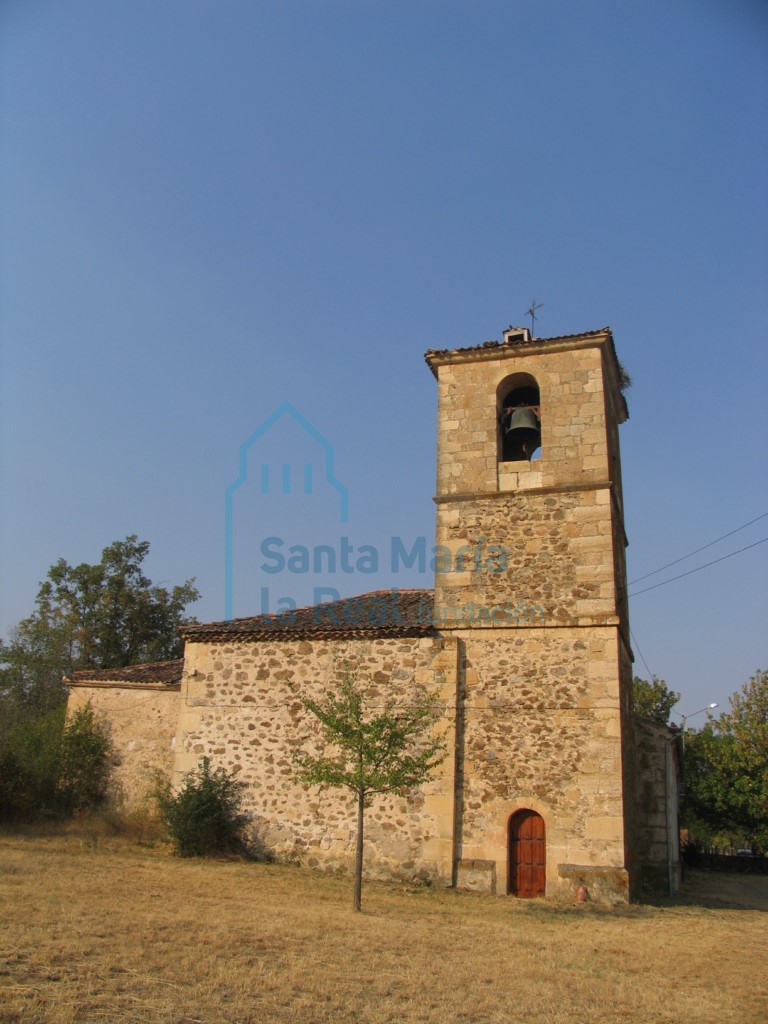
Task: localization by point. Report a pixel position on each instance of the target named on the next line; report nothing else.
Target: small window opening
(520, 423)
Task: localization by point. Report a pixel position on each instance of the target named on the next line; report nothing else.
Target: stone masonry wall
(557, 565)
(534, 552)
(574, 441)
(541, 729)
(632, 820)
(142, 727)
(529, 543)
(241, 707)
(657, 780)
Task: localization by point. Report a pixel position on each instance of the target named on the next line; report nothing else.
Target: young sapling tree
(393, 751)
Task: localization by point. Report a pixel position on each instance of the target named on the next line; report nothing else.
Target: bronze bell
(522, 435)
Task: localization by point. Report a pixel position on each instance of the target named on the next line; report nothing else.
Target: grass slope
(102, 930)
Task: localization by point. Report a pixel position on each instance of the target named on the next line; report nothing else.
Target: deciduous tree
(390, 752)
(726, 767)
(655, 699)
(51, 767)
(105, 615)
(87, 616)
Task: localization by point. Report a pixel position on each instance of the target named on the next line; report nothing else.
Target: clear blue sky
(212, 208)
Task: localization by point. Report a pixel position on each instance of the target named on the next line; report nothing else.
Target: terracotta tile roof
(153, 672)
(381, 613)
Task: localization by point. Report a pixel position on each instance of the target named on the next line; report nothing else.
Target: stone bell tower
(530, 541)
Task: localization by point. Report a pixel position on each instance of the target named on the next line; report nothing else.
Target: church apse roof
(380, 613)
(151, 673)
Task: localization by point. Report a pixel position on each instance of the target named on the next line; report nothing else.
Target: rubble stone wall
(657, 782)
(527, 559)
(241, 706)
(541, 729)
(573, 419)
(142, 724)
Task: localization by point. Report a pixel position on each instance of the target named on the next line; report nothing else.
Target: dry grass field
(98, 929)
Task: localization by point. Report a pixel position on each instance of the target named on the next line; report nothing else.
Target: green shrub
(85, 762)
(29, 764)
(50, 767)
(14, 783)
(204, 817)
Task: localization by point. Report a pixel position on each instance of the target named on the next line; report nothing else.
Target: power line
(692, 553)
(642, 656)
(698, 569)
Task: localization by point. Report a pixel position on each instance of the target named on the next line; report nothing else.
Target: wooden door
(527, 855)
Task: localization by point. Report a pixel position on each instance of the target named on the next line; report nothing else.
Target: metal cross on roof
(531, 312)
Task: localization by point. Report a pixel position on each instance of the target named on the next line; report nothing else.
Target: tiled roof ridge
(524, 341)
(516, 342)
(527, 339)
(356, 615)
(168, 671)
(384, 591)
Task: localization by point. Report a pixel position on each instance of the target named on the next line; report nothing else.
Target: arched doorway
(527, 876)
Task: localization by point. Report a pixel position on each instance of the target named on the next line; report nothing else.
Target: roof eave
(489, 351)
(504, 350)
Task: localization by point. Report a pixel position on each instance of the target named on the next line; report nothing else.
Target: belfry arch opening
(519, 419)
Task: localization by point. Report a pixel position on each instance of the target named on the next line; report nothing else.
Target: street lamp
(709, 707)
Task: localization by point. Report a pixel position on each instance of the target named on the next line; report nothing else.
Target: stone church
(551, 783)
